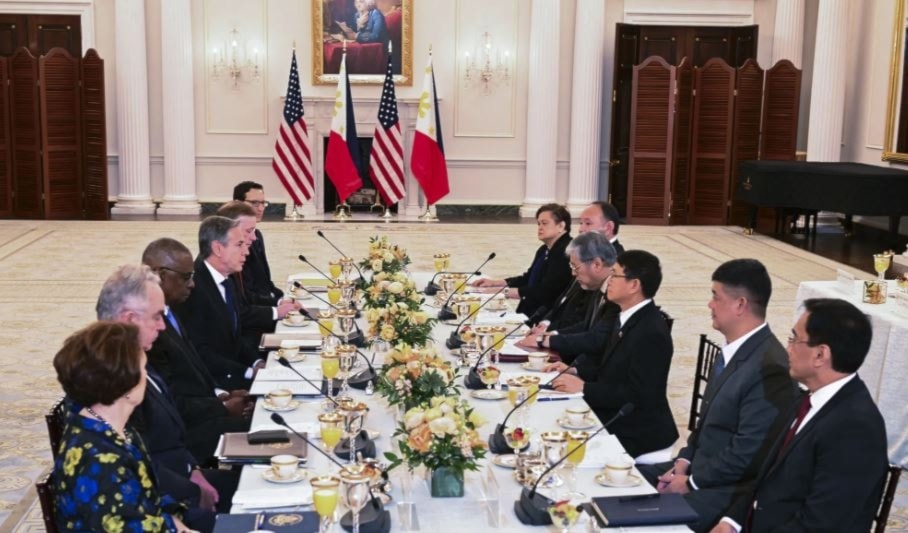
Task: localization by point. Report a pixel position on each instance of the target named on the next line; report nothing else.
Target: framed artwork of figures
(367, 29)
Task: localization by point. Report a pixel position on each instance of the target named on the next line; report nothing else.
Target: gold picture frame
(896, 79)
(366, 61)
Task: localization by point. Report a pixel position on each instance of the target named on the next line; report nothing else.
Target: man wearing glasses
(256, 272)
(747, 391)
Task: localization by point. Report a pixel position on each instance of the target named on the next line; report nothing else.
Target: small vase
(447, 483)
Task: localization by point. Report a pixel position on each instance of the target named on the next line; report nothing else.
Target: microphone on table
(322, 235)
(497, 443)
(444, 313)
(362, 379)
(302, 258)
(454, 340)
(367, 514)
(472, 380)
(325, 382)
(532, 508)
(432, 287)
(300, 286)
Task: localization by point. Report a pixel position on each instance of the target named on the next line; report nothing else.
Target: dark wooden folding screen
(691, 129)
(55, 129)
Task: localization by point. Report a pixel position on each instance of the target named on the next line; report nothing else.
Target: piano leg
(894, 223)
(848, 225)
(753, 221)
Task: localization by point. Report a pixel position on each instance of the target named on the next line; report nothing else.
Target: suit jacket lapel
(188, 351)
(206, 284)
(622, 331)
(740, 357)
(160, 394)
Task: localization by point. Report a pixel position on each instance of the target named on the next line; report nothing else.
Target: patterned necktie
(230, 300)
(718, 366)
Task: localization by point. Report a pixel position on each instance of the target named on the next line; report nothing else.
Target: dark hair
(750, 276)
(235, 209)
(841, 326)
(239, 192)
(609, 213)
(214, 229)
(100, 363)
(163, 252)
(559, 213)
(642, 266)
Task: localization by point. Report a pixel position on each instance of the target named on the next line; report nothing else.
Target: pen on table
(553, 398)
(638, 497)
(259, 519)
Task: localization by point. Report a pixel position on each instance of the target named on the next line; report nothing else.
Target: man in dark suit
(256, 272)
(740, 413)
(591, 259)
(549, 273)
(212, 313)
(208, 411)
(826, 471)
(604, 218)
(635, 365)
(132, 295)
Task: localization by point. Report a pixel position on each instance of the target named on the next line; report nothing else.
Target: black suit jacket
(259, 288)
(209, 325)
(619, 249)
(554, 277)
(831, 476)
(570, 307)
(634, 369)
(590, 335)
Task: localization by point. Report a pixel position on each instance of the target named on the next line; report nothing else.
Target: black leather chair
(45, 488)
(56, 421)
(892, 483)
(706, 357)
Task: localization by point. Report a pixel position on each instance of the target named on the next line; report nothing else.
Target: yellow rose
(420, 317)
(443, 426)
(414, 368)
(376, 265)
(388, 333)
(433, 413)
(381, 276)
(395, 287)
(414, 418)
(388, 257)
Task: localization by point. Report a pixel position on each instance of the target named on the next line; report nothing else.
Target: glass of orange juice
(334, 293)
(334, 269)
(324, 496)
(331, 430)
(325, 323)
(576, 450)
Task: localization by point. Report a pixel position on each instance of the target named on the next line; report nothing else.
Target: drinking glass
(324, 496)
(881, 264)
(554, 444)
(517, 438)
(334, 269)
(356, 493)
(564, 515)
(330, 368)
(439, 262)
(346, 354)
(334, 293)
(489, 376)
(325, 323)
(346, 322)
(346, 267)
(576, 451)
(331, 430)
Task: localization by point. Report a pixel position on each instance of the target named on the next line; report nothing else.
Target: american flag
(386, 163)
(292, 157)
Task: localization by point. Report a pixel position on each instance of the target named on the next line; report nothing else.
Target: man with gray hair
(591, 258)
(212, 313)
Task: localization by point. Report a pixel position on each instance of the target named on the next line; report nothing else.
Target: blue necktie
(718, 366)
(229, 298)
(173, 322)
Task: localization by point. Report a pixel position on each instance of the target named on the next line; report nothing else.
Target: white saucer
(567, 424)
(300, 295)
(268, 406)
(289, 324)
(489, 394)
(270, 477)
(526, 366)
(505, 460)
(298, 358)
(632, 481)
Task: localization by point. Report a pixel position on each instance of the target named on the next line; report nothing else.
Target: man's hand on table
(567, 382)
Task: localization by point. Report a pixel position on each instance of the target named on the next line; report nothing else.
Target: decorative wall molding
(688, 19)
(85, 9)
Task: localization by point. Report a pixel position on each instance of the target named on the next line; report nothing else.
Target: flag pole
(429, 216)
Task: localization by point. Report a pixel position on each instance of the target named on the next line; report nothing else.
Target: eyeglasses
(575, 268)
(792, 340)
(185, 276)
(258, 203)
(617, 276)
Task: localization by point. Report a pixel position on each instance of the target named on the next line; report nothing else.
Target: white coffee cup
(577, 414)
(289, 348)
(280, 397)
(284, 466)
(618, 469)
(537, 360)
(295, 318)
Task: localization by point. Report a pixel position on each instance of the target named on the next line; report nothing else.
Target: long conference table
(488, 501)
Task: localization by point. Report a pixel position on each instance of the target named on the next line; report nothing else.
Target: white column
(134, 196)
(586, 104)
(542, 106)
(827, 91)
(179, 115)
(788, 34)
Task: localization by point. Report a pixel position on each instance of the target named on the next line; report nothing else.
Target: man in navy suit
(744, 398)
(826, 471)
(257, 281)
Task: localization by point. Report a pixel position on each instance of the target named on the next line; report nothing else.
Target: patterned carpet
(50, 273)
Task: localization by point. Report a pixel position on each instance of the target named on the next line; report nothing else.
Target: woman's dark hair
(559, 213)
(100, 363)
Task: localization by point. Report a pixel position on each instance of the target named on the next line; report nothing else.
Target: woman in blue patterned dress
(103, 478)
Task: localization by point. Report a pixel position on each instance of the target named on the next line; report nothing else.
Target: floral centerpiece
(414, 375)
(441, 435)
(384, 257)
(392, 309)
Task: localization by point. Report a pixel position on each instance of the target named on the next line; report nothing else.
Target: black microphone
(444, 313)
(532, 508)
(497, 443)
(361, 379)
(454, 340)
(472, 380)
(366, 515)
(300, 286)
(322, 235)
(325, 382)
(432, 287)
(302, 258)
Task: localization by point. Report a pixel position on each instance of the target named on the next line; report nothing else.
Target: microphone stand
(432, 288)
(326, 384)
(322, 235)
(356, 339)
(454, 340)
(362, 379)
(302, 258)
(532, 508)
(497, 443)
(369, 515)
(472, 380)
(444, 313)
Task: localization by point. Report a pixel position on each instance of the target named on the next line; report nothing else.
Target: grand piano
(848, 188)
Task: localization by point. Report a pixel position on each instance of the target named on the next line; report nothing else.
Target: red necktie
(802, 412)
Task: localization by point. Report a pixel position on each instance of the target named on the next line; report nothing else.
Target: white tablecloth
(473, 512)
(886, 365)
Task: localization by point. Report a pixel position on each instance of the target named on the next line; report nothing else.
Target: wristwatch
(540, 341)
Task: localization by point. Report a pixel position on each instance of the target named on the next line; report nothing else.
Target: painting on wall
(366, 30)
